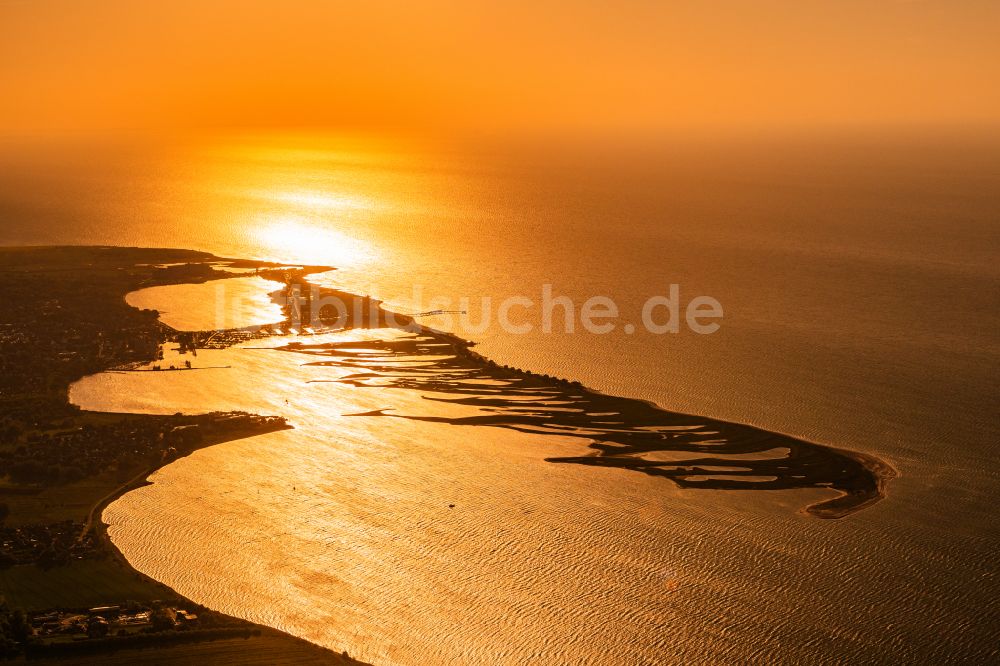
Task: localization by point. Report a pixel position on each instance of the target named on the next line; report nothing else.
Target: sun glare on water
(291, 238)
(310, 226)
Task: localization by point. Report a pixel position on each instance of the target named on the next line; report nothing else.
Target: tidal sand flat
(569, 332)
(405, 540)
(621, 432)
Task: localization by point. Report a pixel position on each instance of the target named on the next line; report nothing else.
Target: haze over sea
(861, 289)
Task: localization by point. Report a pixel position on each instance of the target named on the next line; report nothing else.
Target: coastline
(611, 446)
(97, 524)
(36, 387)
(631, 434)
(303, 649)
(839, 507)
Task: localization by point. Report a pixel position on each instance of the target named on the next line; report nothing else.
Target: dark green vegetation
(63, 316)
(691, 451)
(85, 584)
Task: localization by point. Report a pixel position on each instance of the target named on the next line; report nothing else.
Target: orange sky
(67, 65)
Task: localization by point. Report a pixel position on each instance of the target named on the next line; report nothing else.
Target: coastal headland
(66, 593)
(65, 317)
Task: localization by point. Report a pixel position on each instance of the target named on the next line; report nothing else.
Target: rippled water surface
(862, 299)
(341, 531)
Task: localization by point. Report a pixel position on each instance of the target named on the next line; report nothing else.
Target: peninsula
(65, 317)
(65, 591)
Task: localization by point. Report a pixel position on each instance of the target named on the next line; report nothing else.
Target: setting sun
(538, 332)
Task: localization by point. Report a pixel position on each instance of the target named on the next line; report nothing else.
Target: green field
(82, 584)
(66, 502)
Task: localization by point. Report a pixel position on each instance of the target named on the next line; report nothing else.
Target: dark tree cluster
(45, 544)
(14, 631)
(62, 456)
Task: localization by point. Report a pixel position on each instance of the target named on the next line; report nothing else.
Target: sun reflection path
(311, 241)
(319, 201)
